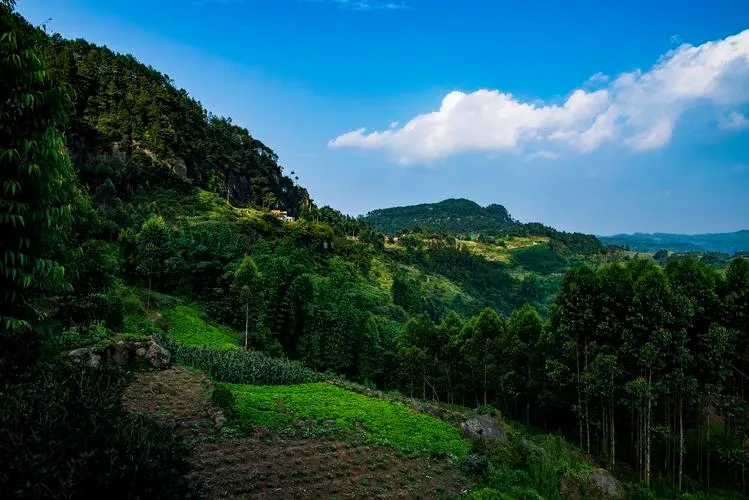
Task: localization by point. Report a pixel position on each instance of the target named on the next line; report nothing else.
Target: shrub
(66, 435)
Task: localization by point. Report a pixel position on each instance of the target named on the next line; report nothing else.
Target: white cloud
(734, 120)
(598, 78)
(365, 4)
(638, 110)
(544, 155)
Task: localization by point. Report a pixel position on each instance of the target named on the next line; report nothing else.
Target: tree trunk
(708, 440)
(681, 442)
(246, 325)
(579, 395)
(587, 411)
(528, 399)
(485, 369)
(648, 423)
(148, 299)
(612, 431)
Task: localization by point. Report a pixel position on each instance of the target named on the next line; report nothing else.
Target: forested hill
(448, 216)
(465, 218)
(715, 242)
(129, 124)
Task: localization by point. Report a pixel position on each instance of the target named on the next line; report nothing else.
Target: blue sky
(600, 117)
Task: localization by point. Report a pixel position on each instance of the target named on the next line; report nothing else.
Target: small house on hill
(281, 214)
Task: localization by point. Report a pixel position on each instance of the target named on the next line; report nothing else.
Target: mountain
(168, 245)
(455, 215)
(465, 218)
(714, 242)
(132, 130)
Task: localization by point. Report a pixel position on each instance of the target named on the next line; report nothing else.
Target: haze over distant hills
(462, 216)
(713, 242)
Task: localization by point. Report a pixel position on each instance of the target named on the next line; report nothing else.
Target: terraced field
(309, 468)
(273, 464)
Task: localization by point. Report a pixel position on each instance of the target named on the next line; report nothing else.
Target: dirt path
(265, 465)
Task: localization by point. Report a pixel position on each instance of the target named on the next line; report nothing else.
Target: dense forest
(121, 193)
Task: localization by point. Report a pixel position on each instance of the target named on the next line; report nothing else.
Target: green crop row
(235, 365)
(381, 422)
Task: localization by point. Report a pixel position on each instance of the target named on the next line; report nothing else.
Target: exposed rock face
(607, 485)
(158, 356)
(122, 352)
(602, 485)
(85, 356)
(483, 427)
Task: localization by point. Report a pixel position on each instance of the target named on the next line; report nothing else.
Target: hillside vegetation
(466, 219)
(131, 217)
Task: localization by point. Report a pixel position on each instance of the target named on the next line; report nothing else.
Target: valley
(180, 319)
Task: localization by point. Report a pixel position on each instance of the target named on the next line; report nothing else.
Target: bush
(67, 435)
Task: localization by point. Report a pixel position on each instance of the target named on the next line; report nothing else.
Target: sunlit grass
(381, 422)
(188, 328)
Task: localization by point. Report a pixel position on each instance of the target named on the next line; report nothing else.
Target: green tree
(35, 173)
(153, 249)
(521, 346)
(245, 279)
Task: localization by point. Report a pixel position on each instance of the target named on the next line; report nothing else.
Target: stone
(601, 485)
(119, 353)
(219, 419)
(86, 357)
(606, 485)
(475, 465)
(480, 427)
(158, 356)
(140, 352)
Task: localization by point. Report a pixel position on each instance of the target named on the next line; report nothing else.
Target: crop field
(268, 464)
(189, 329)
(309, 468)
(380, 422)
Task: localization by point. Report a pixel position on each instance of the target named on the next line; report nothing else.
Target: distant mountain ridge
(465, 218)
(710, 242)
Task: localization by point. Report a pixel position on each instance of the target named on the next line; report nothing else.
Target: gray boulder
(606, 485)
(158, 356)
(483, 427)
(601, 485)
(85, 356)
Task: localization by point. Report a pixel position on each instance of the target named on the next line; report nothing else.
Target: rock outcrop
(601, 485)
(158, 356)
(85, 356)
(483, 427)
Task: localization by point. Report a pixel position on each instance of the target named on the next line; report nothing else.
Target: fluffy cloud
(639, 110)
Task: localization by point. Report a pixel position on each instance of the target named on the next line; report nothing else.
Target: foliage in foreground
(531, 467)
(382, 422)
(235, 365)
(35, 178)
(67, 435)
